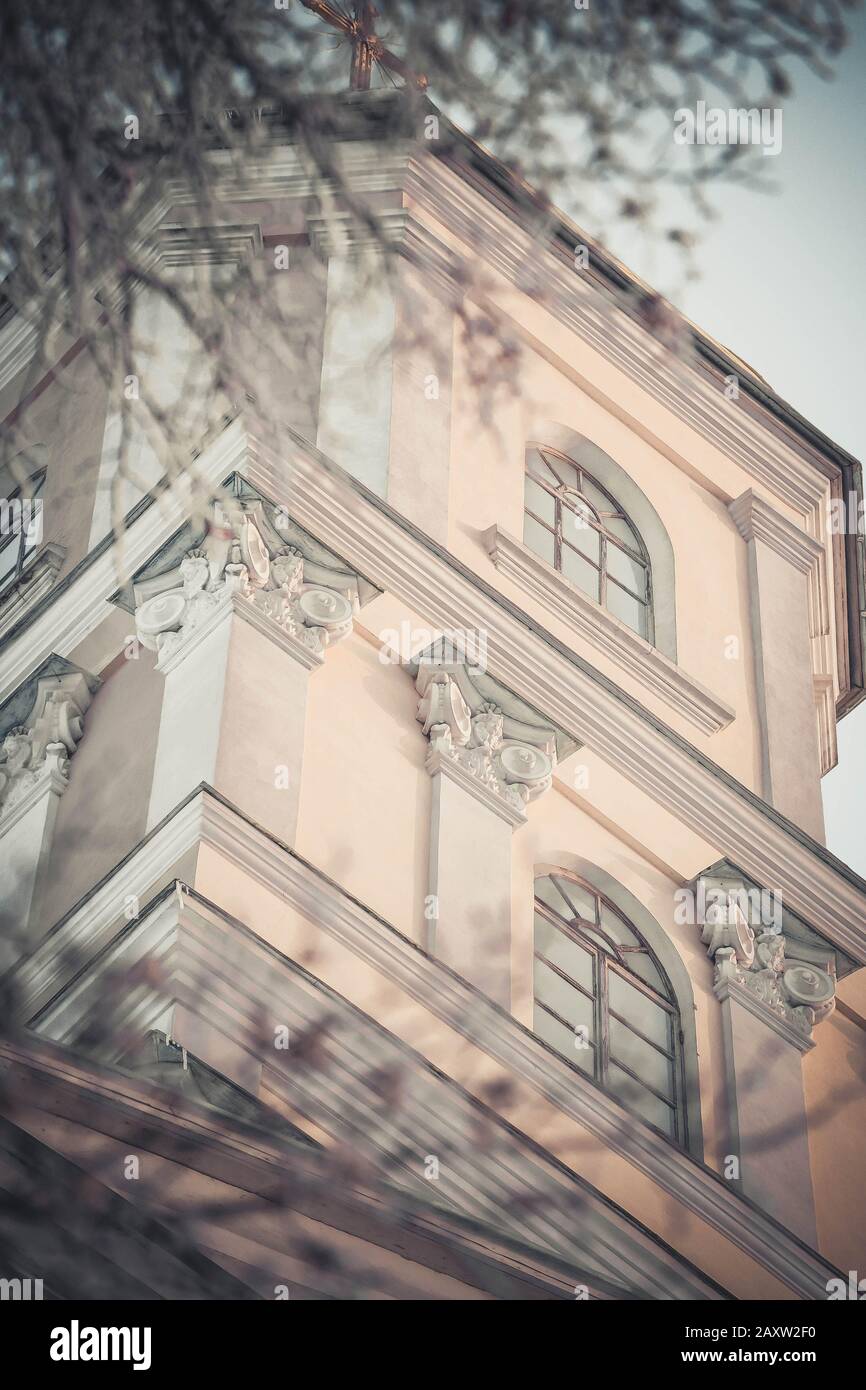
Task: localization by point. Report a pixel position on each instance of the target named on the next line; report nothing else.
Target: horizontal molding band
(396, 556)
(207, 819)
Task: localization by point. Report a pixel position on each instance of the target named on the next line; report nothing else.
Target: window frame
(602, 964)
(581, 505)
(25, 492)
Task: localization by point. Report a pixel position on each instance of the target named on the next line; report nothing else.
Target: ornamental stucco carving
(237, 561)
(753, 944)
(800, 993)
(517, 771)
(38, 751)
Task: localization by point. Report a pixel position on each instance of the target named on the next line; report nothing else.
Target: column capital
(756, 519)
(243, 566)
(35, 752)
(473, 744)
(756, 962)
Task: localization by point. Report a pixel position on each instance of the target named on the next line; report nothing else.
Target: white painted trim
(587, 619)
(730, 990)
(440, 765)
(388, 551)
(244, 608)
(579, 302)
(51, 780)
(572, 695)
(207, 820)
(755, 519)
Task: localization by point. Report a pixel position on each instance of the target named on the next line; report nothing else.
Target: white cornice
(489, 232)
(755, 519)
(528, 660)
(206, 820)
(373, 540)
(18, 341)
(656, 672)
(581, 305)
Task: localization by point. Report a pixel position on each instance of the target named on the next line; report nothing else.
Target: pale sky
(782, 285)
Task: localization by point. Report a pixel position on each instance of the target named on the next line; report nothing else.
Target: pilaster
(784, 567)
(34, 774)
(772, 992)
(487, 766)
(239, 624)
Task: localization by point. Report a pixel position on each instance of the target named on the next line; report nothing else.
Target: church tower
(414, 878)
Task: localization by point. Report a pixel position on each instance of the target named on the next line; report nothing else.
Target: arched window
(574, 524)
(603, 1001)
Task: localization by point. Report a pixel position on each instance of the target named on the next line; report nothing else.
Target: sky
(782, 285)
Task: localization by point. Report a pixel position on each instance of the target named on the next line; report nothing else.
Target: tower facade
(410, 810)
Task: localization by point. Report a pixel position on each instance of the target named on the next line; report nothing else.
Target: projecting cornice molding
(580, 304)
(218, 244)
(756, 519)
(183, 935)
(344, 234)
(656, 672)
(206, 820)
(376, 542)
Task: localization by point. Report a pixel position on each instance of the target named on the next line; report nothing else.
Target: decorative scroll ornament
(39, 749)
(517, 772)
(725, 926)
(239, 562)
(800, 993)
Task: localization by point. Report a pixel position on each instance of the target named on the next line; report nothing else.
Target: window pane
(577, 531)
(580, 572)
(619, 527)
(617, 929)
(626, 570)
(635, 1097)
(580, 898)
(565, 1041)
(538, 539)
(564, 471)
(539, 501)
(556, 946)
(643, 967)
(631, 1004)
(629, 610)
(595, 496)
(538, 468)
(651, 1066)
(563, 999)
